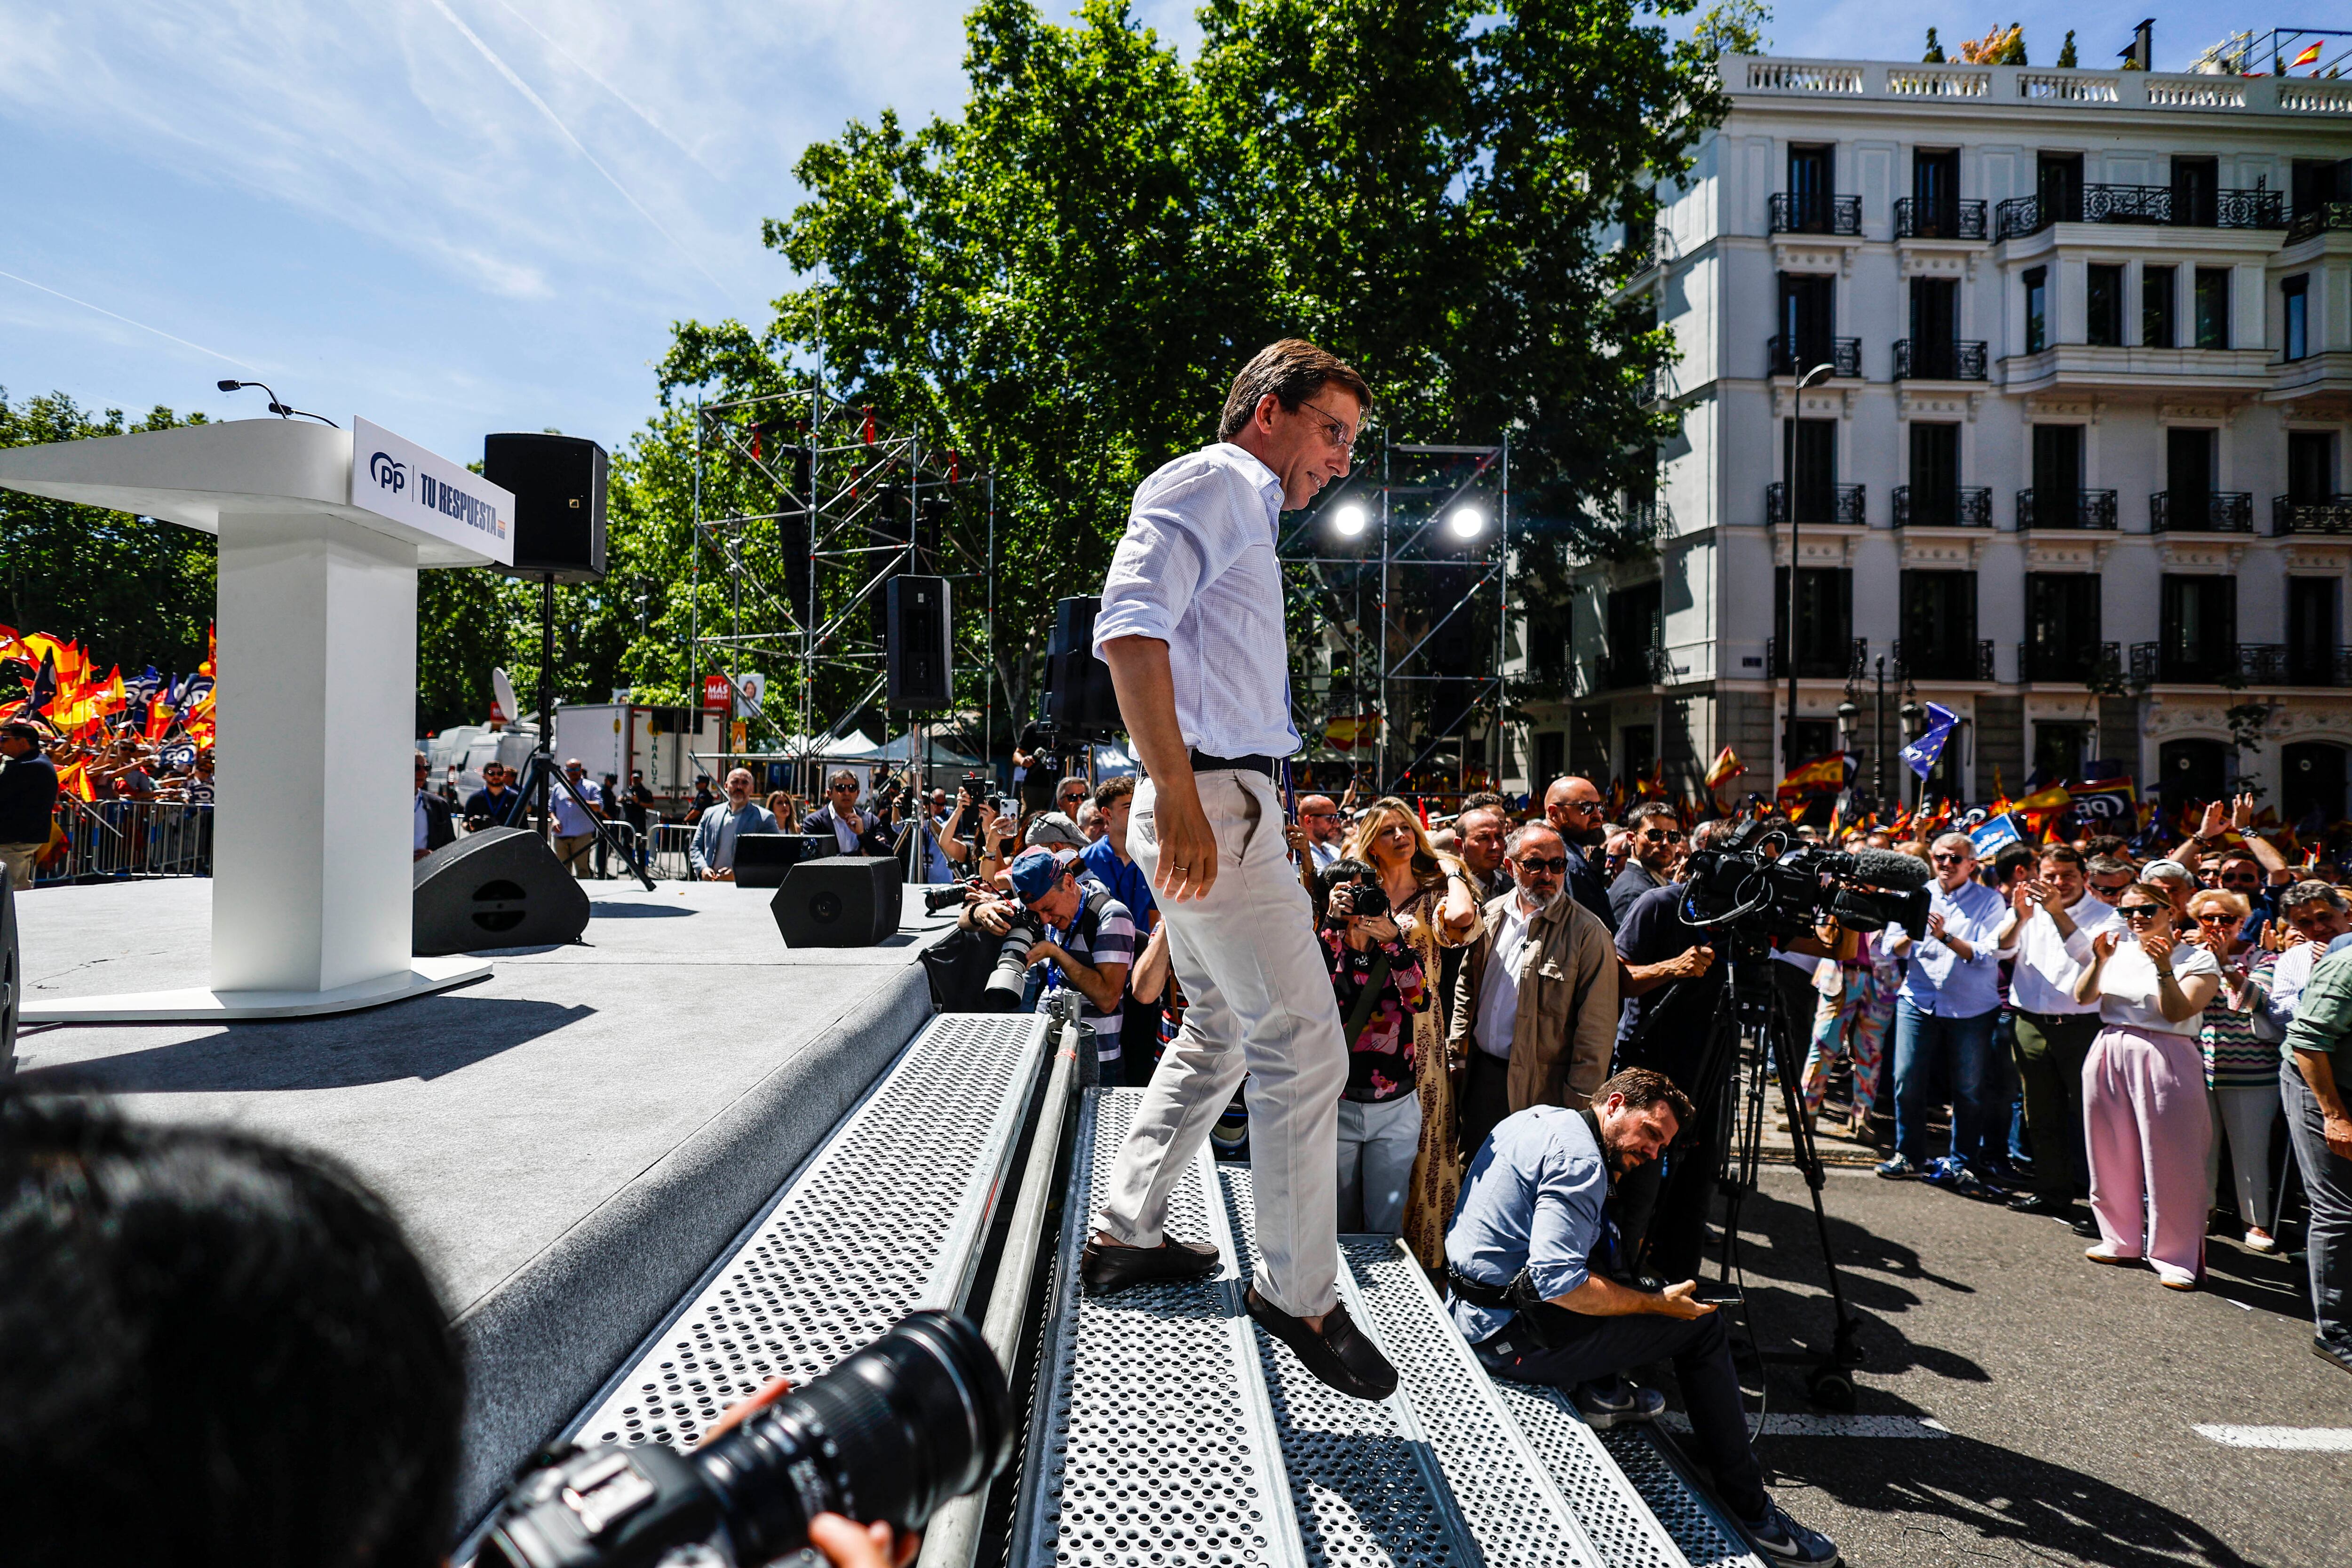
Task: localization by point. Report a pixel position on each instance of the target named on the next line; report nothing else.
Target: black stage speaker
(1079, 701)
(840, 900)
(922, 659)
(558, 490)
(502, 887)
(763, 858)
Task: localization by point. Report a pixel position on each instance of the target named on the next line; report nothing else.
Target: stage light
(1350, 520)
(1467, 522)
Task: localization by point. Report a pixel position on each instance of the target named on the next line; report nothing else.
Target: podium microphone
(283, 411)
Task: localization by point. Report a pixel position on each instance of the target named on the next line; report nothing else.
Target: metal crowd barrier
(132, 839)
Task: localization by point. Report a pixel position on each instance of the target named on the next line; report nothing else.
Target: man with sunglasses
(1656, 845)
(1192, 627)
(1572, 807)
(1323, 828)
(1950, 1001)
(2108, 878)
(852, 831)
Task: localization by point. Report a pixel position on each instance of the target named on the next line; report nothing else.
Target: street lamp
(1788, 500)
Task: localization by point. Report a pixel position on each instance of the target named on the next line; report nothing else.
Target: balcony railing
(2228, 664)
(2190, 511)
(2039, 507)
(2332, 514)
(1818, 666)
(1843, 356)
(1968, 506)
(1916, 219)
(1916, 660)
(1642, 666)
(2160, 205)
(1845, 506)
(2318, 219)
(1928, 359)
(2079, 662)
(1792, 214)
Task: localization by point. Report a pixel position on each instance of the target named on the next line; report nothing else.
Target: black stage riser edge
(502, 887)
(841, 900)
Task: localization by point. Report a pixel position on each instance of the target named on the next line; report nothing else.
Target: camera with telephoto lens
(1009, 981)
(917, 1417)
(1745, 886)
(945, 897)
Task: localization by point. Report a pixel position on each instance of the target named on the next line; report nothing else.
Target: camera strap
(1360, 1011)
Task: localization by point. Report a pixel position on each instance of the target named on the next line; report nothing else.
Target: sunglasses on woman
(2141, 911)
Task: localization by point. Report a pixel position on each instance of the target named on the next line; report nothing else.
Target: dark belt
(2046, 1019)
(1203, 762)
(1478, 1292)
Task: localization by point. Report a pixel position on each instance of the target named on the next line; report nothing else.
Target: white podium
(321, 533)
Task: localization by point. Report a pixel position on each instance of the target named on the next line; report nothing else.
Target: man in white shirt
(1950, 1001)
(851, 829)
(1192, 627)
(2050, 923)
(2319, 914)
(575, 824)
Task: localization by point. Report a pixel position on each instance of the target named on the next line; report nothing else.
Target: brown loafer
(1103, 1269)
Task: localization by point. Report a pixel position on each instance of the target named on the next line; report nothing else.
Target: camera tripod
(1745, 1049)
(540, 777)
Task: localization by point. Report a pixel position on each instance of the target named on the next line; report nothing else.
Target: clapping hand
(2217, 818)
(2158, 946)
(2102, 946)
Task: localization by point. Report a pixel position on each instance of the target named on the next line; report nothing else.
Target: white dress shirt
(2048, 964)
(1196, 570)
(1498, 988)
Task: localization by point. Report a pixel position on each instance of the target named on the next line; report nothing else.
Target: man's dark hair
(1292, 371)
(2110, 844)
(1647, 809)
(218, 1352)
(2008, 861)
(2105, 865)
(1484, 800)
(1642, 1089)
(2065, 854)
(1112, 790)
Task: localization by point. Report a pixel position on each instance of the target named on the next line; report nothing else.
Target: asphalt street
(2070, 1391)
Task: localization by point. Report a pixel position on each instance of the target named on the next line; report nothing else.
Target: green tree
(131, 591)
(2066, 52)
(1935, 55)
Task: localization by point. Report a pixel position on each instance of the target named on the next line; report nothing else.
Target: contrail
(627, 102)
(540, 103)
(127, 321)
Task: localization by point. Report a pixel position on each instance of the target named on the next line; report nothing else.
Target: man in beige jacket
(1535, 1006)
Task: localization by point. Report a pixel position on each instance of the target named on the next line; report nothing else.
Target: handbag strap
(1360, 1011)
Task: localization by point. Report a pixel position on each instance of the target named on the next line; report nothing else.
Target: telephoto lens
(938, 900)
(917, 1417)
(1009, 981)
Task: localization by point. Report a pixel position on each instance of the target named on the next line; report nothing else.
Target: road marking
(1780, 1425)
(2315, 1439)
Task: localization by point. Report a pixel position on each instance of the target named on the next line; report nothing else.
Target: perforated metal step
(889, 1215)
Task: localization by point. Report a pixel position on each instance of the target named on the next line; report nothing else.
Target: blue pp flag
(1922, 753)
(1989, 836)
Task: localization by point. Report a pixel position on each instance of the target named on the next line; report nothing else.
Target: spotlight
(1350, 520)
(1467, 522)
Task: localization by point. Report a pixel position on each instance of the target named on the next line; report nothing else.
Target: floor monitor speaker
(502, 887)
(763, 858)
(559, 489)
(921, 657)
(841, 900)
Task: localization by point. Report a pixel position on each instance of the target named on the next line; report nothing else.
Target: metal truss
(1389, 602)
(806, 506)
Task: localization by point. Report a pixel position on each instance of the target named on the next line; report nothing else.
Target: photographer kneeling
(1090, 940)
(1527, 1256)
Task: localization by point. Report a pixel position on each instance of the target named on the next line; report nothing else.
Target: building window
(2196, 191)
(2295, 294)
(2200, 627)
(2037, 310)
(1935, 193)
(2189, 470)
(2059, 749)
(1551, 759)
(1638, 748)
(2155, 307)
(1940, 626)
(2313, 606)
(2059, 183)
(1824, 644)
(1808, 322)
(1636, 627)
(2062, 626)
(1935, 474)
(2103, 300)
(2212, 307)
(2058, 468)
(1815, 487)
(2310, 466)
(1811, 173)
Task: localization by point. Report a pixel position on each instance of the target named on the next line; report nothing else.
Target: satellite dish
(504, 708)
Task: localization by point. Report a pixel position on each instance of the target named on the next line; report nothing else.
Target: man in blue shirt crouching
(1532, 1211)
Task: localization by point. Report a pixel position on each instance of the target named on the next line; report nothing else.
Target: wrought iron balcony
(1795, 214)
(1928, 359)
(2318, 219)
(1640, 666)
(1916, 219)
(2192, 511)
(1816, 666)
(2330, 514)
(1846, 505)
(2157, 205)
(2039, 508)
(1965, 506)
(2077, 662)
(1843, 356)
(1916, 660)
(2226, 664)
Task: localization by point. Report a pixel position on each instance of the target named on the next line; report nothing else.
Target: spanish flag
(1823, 775)
(2308, 56)
(1727, 765)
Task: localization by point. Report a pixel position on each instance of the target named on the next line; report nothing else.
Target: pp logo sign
(388, 474)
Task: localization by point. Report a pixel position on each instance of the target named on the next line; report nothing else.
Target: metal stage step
(889, 1215)
(1170, 1431)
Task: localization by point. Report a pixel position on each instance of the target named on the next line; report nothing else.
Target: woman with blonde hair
(1435, 905)
(2242, 1069)
(2144, 1091)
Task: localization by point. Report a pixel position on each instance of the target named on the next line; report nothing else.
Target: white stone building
(2078, 472)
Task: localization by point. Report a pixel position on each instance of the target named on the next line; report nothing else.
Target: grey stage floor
(570, 1142)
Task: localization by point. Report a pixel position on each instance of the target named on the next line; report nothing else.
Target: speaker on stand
(559, 537)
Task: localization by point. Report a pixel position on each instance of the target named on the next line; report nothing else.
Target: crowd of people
(57, 793)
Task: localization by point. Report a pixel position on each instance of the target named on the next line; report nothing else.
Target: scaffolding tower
(1397, 607)
(807, 506)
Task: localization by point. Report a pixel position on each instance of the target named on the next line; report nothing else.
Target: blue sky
(457, 216)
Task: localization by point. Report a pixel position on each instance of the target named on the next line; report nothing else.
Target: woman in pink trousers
(2150, 1131)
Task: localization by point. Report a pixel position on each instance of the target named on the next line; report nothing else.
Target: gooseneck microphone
(283, 411)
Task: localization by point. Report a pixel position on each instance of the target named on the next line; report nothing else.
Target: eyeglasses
(1583, 807)
(2141, 911)
(2210, 917)
(1318, 814)
(1334, 432)
(1536, 866)
(2110, 887)
(1663, 834)
(1951, 859)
